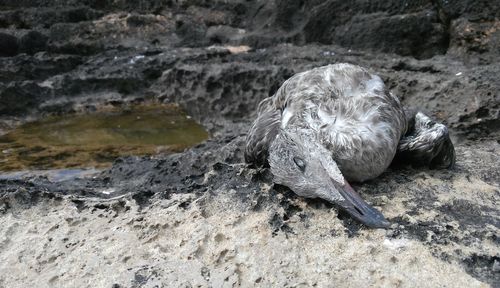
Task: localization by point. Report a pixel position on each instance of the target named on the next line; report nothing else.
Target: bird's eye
(300, 163)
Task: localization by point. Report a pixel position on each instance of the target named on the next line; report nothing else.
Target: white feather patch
(286, 116)
(375, 83)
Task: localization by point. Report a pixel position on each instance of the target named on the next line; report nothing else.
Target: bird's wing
(426, 143)
(263, 131)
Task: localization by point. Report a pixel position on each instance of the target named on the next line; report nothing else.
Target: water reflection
(95, 140)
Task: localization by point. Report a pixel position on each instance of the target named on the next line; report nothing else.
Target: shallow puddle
(95, 140)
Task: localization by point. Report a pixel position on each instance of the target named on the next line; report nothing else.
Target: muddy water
(95, 140)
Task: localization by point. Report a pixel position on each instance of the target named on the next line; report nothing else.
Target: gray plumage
(339, 123)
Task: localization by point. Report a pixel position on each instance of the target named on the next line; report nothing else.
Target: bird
(333, 125)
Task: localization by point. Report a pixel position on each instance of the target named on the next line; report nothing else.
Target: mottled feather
(353, 115)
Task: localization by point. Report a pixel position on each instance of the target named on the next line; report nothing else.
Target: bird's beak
(359, 209)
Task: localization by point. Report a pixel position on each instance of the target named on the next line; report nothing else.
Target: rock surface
(202, 217)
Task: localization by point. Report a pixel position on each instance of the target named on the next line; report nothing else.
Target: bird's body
(340, 112)
(350, 112)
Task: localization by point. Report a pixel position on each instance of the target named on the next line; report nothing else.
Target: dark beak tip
(383, 224)
(375, 219)
(371, 217)
(354, 205)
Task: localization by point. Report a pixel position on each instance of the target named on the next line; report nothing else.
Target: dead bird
(339, 123)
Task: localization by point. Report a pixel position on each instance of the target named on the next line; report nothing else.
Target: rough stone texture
(182, 242)
(417, 34)
(202, 217)
(243, 83)
(8, 45)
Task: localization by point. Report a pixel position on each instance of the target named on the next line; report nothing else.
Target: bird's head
(300, 162)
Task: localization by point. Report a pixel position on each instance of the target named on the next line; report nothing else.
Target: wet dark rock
(32, 42)
(36, 67)
(18, 98)
(419, 34)
(224, 34)
(477, 38)
(8, 45)
(91, 37)
(332, 14)
(213, 16)
(389, 26)
(245, 84)
(191, 33)
(474, 10)
(45, 17)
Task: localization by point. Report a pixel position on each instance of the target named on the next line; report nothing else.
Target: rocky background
(202, 217)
